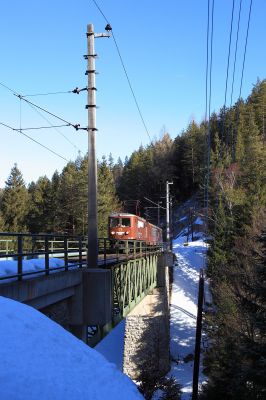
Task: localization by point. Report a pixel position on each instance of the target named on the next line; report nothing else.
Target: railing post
(117, 251)
(80, 252)
(20, 245)
(46, 254)
(127, 249)
(104, 250)
(134, 249)
(65, 253)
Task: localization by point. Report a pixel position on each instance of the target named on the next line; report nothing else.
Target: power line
(229, 52)
(227, 69)
(242, 73)
(100, 11)
(236, 48)
(206, 99)
(45, 94)
(35, 141)
(76, 90)
(55, 128)
(34, 106)
(244, 60)
(42, 127)
(125, 71)
(209, 114)
(8, 88)
(233, 80)
(76, 126)
(207, 61)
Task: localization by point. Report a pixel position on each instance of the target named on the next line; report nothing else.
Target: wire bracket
(86, 56)
(91, 71)
(77, 90)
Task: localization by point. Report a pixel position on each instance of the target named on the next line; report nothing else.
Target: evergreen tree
(257, 100)
(107, 200)
(117, 172)
(2, 224)
(14, 204)
(236, 329)
(68, 199)
(54, 204)
(39, 217)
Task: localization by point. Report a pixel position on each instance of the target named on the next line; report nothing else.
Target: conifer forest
(235, 182)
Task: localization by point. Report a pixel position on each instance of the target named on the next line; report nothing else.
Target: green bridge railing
(131, 282)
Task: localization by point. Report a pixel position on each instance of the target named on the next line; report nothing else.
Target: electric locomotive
(123, 226)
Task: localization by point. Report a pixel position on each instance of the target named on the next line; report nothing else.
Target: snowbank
(183, 310)
(112, 345)
(10, 267)
(40, 360)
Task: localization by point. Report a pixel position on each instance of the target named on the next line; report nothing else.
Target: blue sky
(163, 45)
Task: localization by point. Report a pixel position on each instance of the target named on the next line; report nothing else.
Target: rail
(71, 250)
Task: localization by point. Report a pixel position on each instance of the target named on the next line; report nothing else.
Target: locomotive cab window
(114, 222)
(125, 222)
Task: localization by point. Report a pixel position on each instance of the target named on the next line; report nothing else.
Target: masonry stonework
(147, 333)
(59, 312)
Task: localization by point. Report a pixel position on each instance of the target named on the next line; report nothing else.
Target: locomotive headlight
(127, 232)
(112, 233)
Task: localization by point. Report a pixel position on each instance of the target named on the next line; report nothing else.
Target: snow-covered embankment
(183, 310)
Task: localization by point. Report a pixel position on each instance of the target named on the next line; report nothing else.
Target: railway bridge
(50, 273)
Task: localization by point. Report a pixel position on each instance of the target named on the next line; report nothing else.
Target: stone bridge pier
(147, 333)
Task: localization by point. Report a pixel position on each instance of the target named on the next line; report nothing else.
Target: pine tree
(236, 329)
(2, 224)
(14, 202)
(54, 205)
(39, 216)
(117, 172)
(67, 198)
(107, 200)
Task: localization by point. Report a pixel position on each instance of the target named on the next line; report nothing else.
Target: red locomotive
(123, 226)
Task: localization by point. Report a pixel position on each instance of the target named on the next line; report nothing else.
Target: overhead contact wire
(55, 128)
(45, 94)
(126, 74)
(40, 108)
(227, 69)
(244, 60)
(209, 112)
(236, 49)
(35, 141)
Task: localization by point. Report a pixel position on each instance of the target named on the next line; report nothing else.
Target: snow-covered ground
(112, 345)
(189, 259)
(40, 360)
(74, 371)
(183, 309)
(10, 267)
